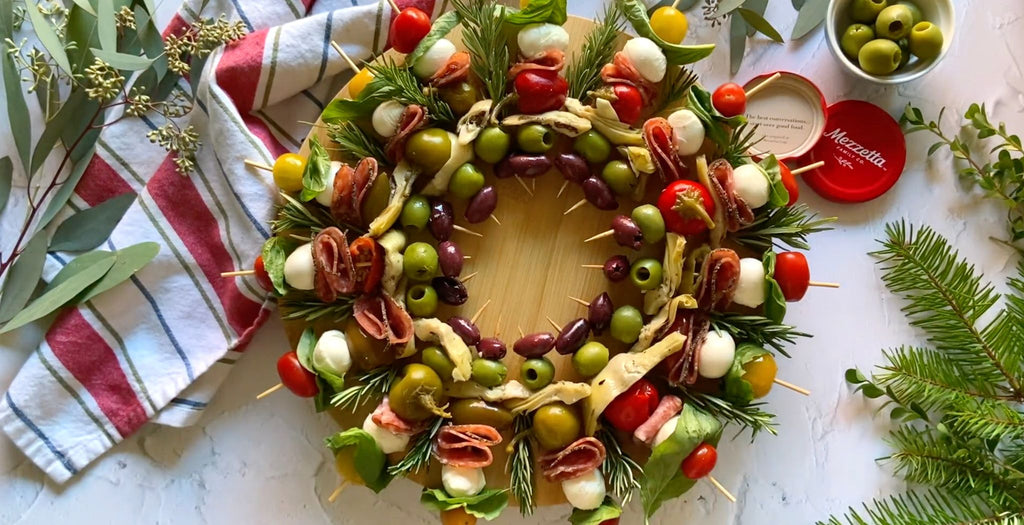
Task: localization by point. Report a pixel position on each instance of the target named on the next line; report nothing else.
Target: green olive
(926, 41)
(492, 145)
(894, 22)
(429, 149)
(646, 273)
(880, 56)
(620, 177)
(626, 324)
(537, 373)
(918, 16)
(377, 198)
(438, 361)
(460, 97)
(534, 138)
(855, 37)
(421, 300)
(590, 359)
(466, 181)
(416, 213)
(420, 261)
(593, 147)
(652, 225)
(489, 373)
(417, 394)
(480, 412)
(556, 426)
(866, 11)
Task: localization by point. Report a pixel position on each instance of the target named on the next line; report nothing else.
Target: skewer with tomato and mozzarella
(792, 273)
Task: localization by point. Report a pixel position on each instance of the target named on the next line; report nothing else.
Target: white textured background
(262, 462)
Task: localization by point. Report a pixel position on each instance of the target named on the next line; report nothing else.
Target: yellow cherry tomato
(670, 24)
(760, 373)
(457, 516)
(359, 82)
(344, 461)
(288, 170)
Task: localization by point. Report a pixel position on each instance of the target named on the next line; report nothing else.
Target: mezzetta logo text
(838, 135)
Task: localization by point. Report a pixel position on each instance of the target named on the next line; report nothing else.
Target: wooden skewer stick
(476, 316)
(237, 273)
(533, 184)
(674, 4)
(580, 301)
(575, 206)
(497, 326)
(728, 495)
(495, 219)
(553, 323)
(258, 165)
(753, 91)
(808, 167)
(792, 387)
(466, 231)
(341, 52)
(562, 189)
(270, 390)
(521, 334)
(468, 277)
(593, 266)
(337, 492)
(467, 257)
(523, 184)
(823, 285)
(601, 235)
(394, 6)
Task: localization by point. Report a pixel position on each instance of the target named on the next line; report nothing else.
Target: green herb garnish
(419, 455)
(394, 82)
(584, 71)
(369, 461)
(788, 225)
(354, 143)
(520, 464)
(488, 49)
(317, 172)
(372, 387)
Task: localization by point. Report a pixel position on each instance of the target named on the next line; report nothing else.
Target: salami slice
(382, 318)
(351, 186)
(737, 212)
(387, 419)
(718, 279)
(668, 407)
(412, 119)
(660, 140)
(455, 70)
(332, 264)
(552, 60)
(622, 71)
(466, 446)
(682, 365)
(579, 458)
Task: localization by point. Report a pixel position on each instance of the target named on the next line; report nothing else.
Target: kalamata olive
(465, 329)
(522, 165)
(599, 314)
(450, 290)
(442, 219)
(482, 205)
(534, 345)
(627, 233)
(572, 167)
(491, 348)
(616, 268)
(599, 194)
(572, 336)
(449, 258)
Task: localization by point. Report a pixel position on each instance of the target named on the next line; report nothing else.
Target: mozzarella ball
(586, 492)
(331, 353)
(388, 441)
(750, 289)
(461, 482)
(647, 58)
(386, 118)
(298, 268)
(666, 431)
(537, 39)
(752, 185)
(327, 194)
(435, 57)
(716, 354)
(688, 131)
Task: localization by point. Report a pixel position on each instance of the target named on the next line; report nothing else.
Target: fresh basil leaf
(540, 11)
(322, 399)
(123, 61)
(23, 276)
(716, 125)
(307, 342)
(317, 172)
(90, 227)
(60, 295)
(662, 480)
(48, 37)
(6, 181)
(636, 12)
(60, 198)
(487, 505)
(768, 260)
(274, 256)
(759, 23)
(17, 109)
(774, 301)
(779, 196)
(129, 261)
(737, 390)
(369, 461)
(727, 6)
(440, 29)
(336, 382)
(344, 109)
(608, 510)
(106, 26)
(812, 13)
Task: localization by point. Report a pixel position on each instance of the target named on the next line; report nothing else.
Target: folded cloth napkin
(158, 346)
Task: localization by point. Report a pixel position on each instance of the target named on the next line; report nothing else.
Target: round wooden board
(527, 267)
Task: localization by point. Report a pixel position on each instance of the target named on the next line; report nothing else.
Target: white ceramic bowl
(939, 12)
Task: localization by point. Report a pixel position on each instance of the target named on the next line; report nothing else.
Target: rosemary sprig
(419, 455)
(373, 385)
(486, 42)
(584, 72)
(676, 85)
(309, 307)
(294, 215)
(788, 225)
(750, 416)
(520, 464)
(758, 330)
(621, 471)
(394, 82)
(355, 143)
(740, 142)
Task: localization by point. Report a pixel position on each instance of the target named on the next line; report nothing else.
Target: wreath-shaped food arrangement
(628, 398)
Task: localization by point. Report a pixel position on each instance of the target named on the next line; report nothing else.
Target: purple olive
(491, 348)
(482, 205)
(442, 219)
(534, 345)
(626, 232)
(527, 166)
(465, 329)
(599, 194)
(572, 336)
(599, 313)
(450, 290)
(572, 167)
(449, 258)
(616, 268)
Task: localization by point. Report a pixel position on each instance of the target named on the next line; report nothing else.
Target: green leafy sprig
(746, 417)
(293, 215)
(394, 82)
(308, 307)
(584, 71)
(520, 464)
(786, 225)
(419, 455)
(758, 330)
(373, 386)
(621, 471)
(486, 42)
(355, 143)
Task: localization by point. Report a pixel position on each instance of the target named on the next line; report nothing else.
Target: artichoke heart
(473, 122)
(560, 121)
(473, 390)
(666, 316)
(605, 120)
(460, 154)
(639, 159)
(404, 176)
(433, 330)
(563, 391)
(717, 234)
(675, 245)
(393, 243)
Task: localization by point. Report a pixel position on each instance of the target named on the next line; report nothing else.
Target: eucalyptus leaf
(274, 255)
(86, 6)
(758, 22)
(797, 4)
(727, 6)
(106, 26)
(149, 34)
(304, 350)
(76, 265)
(129, 261)
(88, 228)
(441, 27)
(6, 181)
(61, 294)
(737, 42)
(56, 127)
(17, 109)
(636, 12)
(81, 30)
(47, 36)
(23, 276)
(61, 196)
(811, 14)
(123, 61)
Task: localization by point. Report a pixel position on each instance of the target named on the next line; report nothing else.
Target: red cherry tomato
(408, 28)
(613, 521)
(700, 462)
(628, 103)
(730, 99)
(540, 91)
(686, 206)
(631, 408)
(262, 276)
(365, 251)
(293, 375)
(792, 274)
(789, 181)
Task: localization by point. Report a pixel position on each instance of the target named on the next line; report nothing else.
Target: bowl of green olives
(890, 41)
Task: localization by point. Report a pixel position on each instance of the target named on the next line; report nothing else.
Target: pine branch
(929, 507)
(932, 380)
(789, 225)
(486, 42)
(750, 416)
(373, 386)
(520, 464)
(621, 471)
(419, 455)
(988, 421)
(758, 330)
(354, 143)
(584, 71)
(394, 82)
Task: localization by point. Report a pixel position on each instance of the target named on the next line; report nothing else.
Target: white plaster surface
(262, 462)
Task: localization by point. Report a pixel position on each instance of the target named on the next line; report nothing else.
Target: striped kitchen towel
(157, 347)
